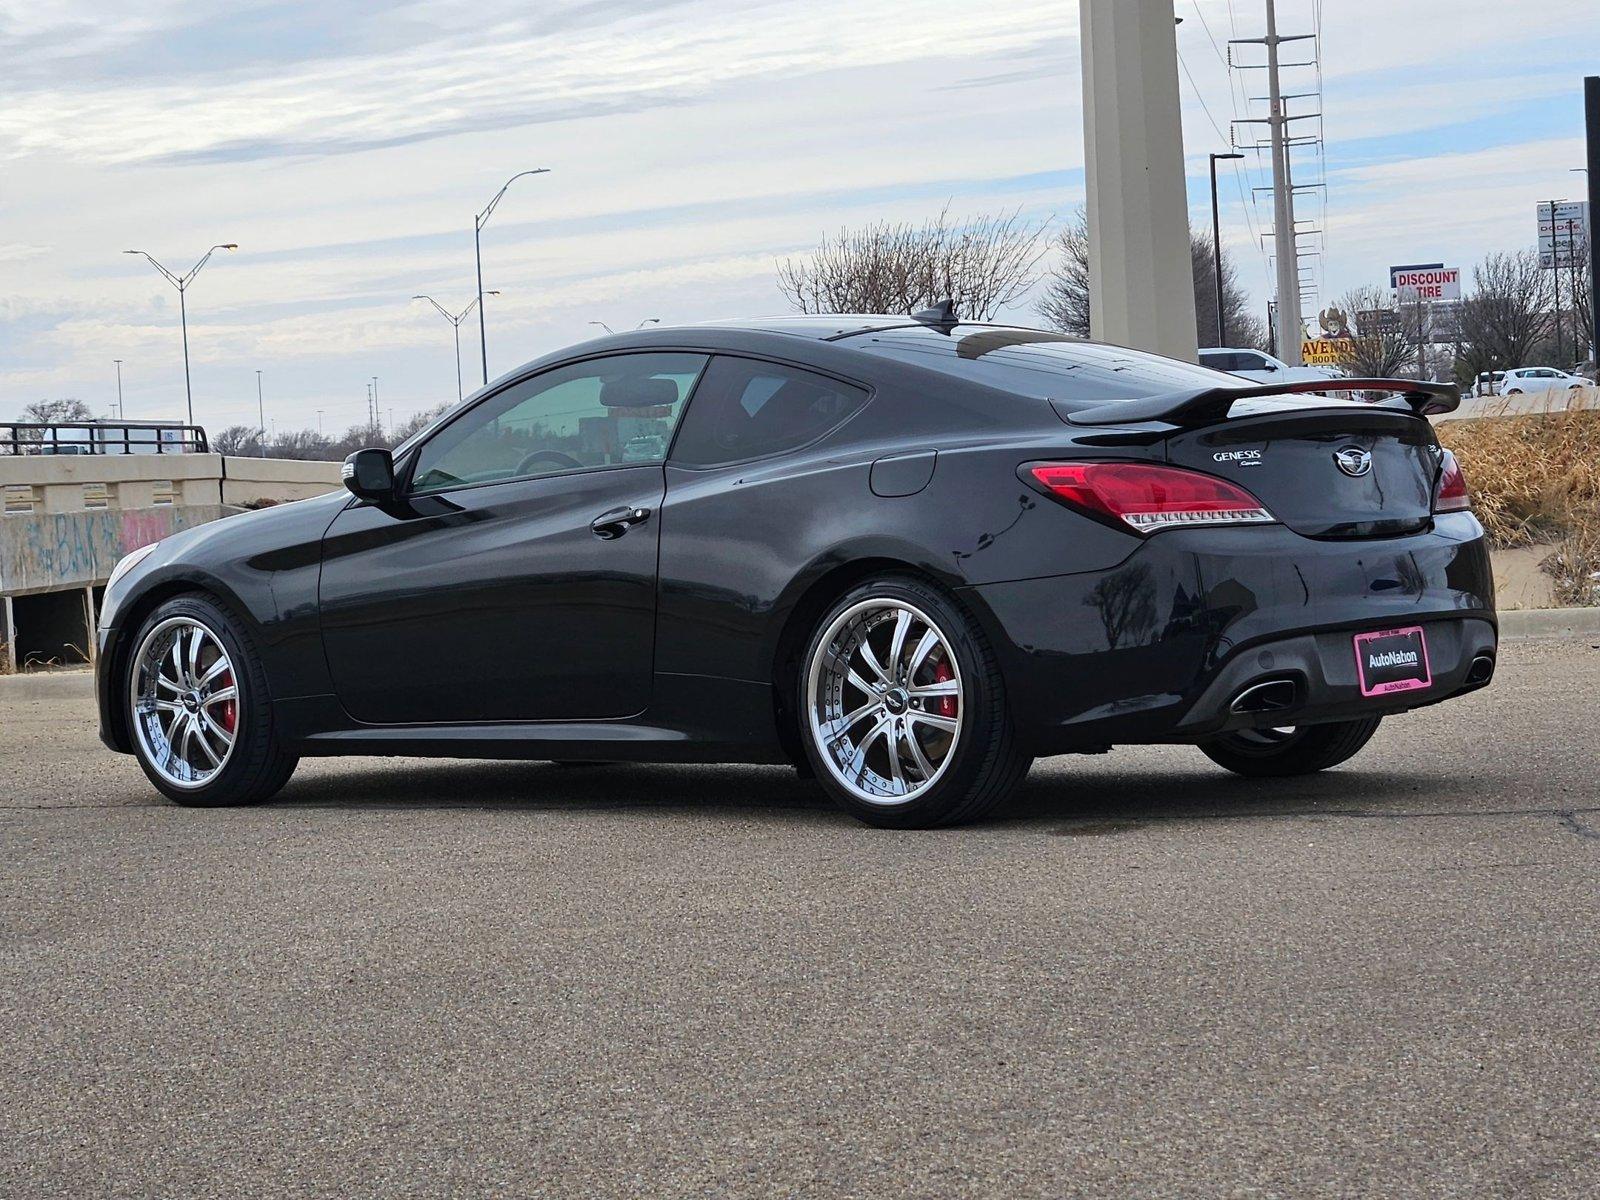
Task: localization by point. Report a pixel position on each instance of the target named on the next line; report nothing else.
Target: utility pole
(1591, 108)
(1579, 336)
(1422, 340)
(1216, 248)
(1555, 276)
(121, 415)
(375, 410)
(1287, 254)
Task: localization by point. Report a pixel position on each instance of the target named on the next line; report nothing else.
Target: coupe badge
(1353, 461)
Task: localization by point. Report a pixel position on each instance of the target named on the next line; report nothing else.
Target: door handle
(618, 521)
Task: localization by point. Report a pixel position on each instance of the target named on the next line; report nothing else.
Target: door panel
(496, 603)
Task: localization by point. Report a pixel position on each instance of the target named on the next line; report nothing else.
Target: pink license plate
(1392, 660)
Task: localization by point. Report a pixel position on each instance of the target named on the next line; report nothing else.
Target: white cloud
(692, 145)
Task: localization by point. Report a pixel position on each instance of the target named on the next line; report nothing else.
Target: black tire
(1302, 750)
(258, 765)
(987, 761)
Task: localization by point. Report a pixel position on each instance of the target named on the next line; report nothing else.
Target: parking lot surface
(1146, 978)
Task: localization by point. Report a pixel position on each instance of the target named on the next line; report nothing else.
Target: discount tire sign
(1425, 281)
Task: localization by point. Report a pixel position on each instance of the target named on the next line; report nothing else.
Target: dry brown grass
(1536, 479)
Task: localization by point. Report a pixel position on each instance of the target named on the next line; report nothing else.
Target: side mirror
(1269, 366)
(369, 474)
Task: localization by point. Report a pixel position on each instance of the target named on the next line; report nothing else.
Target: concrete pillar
(1141, 282)
(8, 635)
(91, 623)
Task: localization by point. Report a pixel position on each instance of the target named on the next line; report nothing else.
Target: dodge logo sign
(1353, 461)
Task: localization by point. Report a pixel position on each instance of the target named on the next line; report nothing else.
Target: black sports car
(906, 555)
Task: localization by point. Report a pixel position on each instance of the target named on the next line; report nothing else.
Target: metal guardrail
(101, 437)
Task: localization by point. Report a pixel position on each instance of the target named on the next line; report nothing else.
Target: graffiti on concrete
(45, 552)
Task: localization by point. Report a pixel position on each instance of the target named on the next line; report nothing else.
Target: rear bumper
(1157, 648)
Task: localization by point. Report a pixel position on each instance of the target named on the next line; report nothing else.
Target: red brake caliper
(230, 708)
(944, 706)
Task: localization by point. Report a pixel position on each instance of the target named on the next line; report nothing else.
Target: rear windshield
(1032, 362)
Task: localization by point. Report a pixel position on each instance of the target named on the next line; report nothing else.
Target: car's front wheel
(1291, 750)
(903, 711)
(198, 708)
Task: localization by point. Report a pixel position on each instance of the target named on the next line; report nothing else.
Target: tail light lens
(1451, 494)
(1148, 498)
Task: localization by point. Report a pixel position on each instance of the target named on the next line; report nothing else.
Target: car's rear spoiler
(1204, 405)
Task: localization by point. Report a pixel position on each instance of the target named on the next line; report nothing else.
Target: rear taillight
(1451, 494)
(1149, 498)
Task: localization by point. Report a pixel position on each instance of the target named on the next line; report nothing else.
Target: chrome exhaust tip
(1274, 695)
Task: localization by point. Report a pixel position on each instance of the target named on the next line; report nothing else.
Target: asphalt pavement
(1146, 978)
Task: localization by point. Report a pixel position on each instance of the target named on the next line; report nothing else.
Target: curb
(1550, 622)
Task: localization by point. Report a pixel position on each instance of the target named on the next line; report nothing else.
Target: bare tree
(1506, 317)
(1065, 304)
(1386, 340)
(48, 412)
(239, 440)
(57, 412)
(1581, 304)
(982, 264)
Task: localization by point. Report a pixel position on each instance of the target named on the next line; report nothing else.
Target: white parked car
(1538, 379)
(1258, 366)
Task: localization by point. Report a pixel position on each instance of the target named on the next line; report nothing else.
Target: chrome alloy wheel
(184, 701)
(884, 699)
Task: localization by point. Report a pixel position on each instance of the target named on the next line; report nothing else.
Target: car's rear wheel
(903, 711)
(198, 708)
(1290, 750)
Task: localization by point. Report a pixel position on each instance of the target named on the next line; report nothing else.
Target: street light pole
(478, 222)
(455, 320)
(121, 414)
(261, 416)
(1216, 248)
(182, 282)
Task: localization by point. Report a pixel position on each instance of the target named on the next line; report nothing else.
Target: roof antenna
(942, 316)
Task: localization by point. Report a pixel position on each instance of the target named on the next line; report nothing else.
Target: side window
(1253, 362)
(748, 409)
(621, 409)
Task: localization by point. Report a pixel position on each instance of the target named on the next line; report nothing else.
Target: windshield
(1033, 362)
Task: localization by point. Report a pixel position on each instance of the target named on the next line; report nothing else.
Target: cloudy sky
(346, 145)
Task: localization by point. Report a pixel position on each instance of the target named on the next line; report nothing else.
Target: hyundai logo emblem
(1353, 461)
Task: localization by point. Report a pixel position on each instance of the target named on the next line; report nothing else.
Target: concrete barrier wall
(73, 483)
(68, 519)
(48, 552)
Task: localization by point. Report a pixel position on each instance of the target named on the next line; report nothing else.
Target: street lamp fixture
(648, 321)
(603, 325)
(455, 321)
(478, 222)
(1216, 248)
(182, 282)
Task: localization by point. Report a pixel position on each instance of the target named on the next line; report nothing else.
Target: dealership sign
(1563, 233)
(1425, 281)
